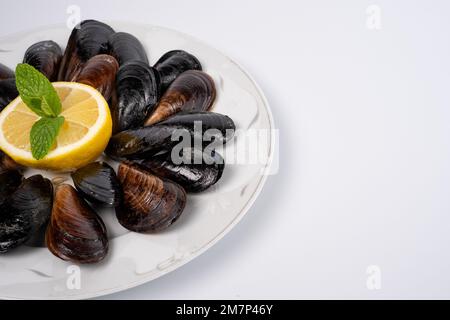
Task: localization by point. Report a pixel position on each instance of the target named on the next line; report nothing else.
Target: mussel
(25, 214)
(6, 163)
(195, 170)
(8, 92)
(212, 124)
(150, 203)
(99, 72)
(184, 129)
(34, 198)
(87, 39)
(192, 91)
(142, 142)
(138, 90)
(5, 72)
(174, 63)
(75, 232)
(126, 47)
(97, 182)
(46, 57)
(10, 180)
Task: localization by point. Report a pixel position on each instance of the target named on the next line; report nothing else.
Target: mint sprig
(43, 135)
(40, 96)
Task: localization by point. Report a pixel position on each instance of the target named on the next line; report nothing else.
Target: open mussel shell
(174, 63)
(150, 203)
(25, 214)
(75, 232)
(195, 170)
(191, 129)
(192, 91)
(138, 91)
(8, 92)
(45, 56)
(5, 72)
(87, 39)
(126, 47)
(99, 72)
(97, 182)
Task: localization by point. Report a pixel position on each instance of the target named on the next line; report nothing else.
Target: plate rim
(188, 258)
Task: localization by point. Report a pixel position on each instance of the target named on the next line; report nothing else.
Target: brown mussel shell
(5, 72)
(6, 163)
(174, 63)
(126, 47)
(8, 92)
(46, 57)
(97, 182)
(190, 129)
(25, 214)
(192, 91)
(75, 232)
(138, 91)
(87, 39)
(99, 72)
(195, 170)
(150, 203)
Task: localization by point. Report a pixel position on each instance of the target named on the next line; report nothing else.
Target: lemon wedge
(82, 138)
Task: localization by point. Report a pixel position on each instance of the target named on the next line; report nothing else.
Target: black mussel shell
(99, 72)
(25, 214)
(46, 57)
(126, 47)
(87, 39)
(6, 163)
(211, 124)
(138, 91)
(195, 170)
(174, 63)
(34, 198)
(8, 92)
(97, 182)
(186, 130)
(75, 232)
(150, 203)
(192, 91)
(10, 180)
(142, 142)
(5, 72)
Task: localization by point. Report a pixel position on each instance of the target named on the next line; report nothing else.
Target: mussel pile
(165, 138)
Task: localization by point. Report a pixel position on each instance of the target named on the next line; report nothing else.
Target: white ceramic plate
(137, 258)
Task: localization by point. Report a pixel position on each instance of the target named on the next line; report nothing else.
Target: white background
(364, 119)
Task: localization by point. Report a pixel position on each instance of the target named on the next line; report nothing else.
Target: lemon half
(82, 138)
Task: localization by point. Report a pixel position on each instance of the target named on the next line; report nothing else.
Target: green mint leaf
(43, 135)
(33, 88)
(35, 105)
(48, 111)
